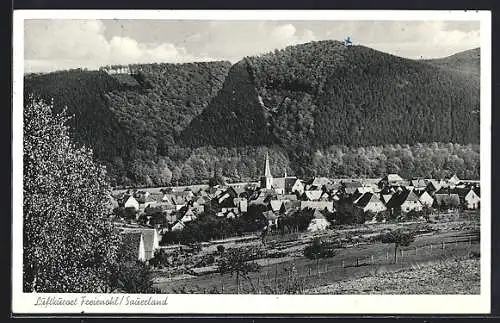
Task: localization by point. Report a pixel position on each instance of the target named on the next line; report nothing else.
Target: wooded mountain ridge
(162, 124)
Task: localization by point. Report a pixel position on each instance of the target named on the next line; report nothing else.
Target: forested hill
(467, 61)
(318, 109)
(324, 93)
(133, 111)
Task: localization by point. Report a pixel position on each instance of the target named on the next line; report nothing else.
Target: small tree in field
(240, 262)
(399, 238)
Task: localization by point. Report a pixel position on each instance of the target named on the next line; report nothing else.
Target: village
(159, 223)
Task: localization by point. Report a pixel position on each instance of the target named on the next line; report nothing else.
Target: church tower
(266, 181)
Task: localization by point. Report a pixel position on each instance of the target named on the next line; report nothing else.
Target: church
(281, 185)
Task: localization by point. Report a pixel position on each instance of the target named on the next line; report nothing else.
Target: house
(132, 246)
(369, 202)
(418, 184)
(312, 195)
(447, 201)
(241, 203)
(468, 198)
(150, 241)
(391, 180)
(272, 219)
(350, 187)
(159, 207)
(426, 199)
(404, 201)
(178, 226)
(188, 216)
(287, 197)
(317, 205)
(386, 197)
(178, 200)
(318, 222)
(454, 180)
(275, 205)
(288, 185)
(318, 183)
(472, 200)
(130, 202)
(289, 206)
(433, 186)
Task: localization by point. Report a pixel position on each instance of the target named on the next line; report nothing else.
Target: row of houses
(170, 209)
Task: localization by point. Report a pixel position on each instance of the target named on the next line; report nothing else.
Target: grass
(314, 273)
(446, 277)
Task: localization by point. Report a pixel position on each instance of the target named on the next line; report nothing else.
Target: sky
(58, 44)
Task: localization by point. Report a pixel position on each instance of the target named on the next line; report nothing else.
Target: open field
(355, 261)
(445, 277)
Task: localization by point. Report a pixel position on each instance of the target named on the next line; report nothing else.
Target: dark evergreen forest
(319, 109)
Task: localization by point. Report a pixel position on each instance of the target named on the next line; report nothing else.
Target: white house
(411, 203)
(149, 242)
(472, 200)
(131, 202)
(369, 202)
(133, 244)
(318, 222)
(405, 201)
(426, 199)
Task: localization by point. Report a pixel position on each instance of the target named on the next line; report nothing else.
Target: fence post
(416, 251)
(309, 271)
(343, 263)
(222, 287)
(431, 248)
(357, 262)
(387, 256)
(326, 267)
(443, 244)
(470, 240)
(456, 242)
(372, 260)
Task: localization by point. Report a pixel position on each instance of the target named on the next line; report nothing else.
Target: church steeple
(267, 172)
(266, 181)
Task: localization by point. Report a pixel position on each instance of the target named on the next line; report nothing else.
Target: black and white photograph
(165, 161)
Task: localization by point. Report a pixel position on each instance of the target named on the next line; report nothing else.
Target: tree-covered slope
(467, 62)
(323, 93)
(132, 115)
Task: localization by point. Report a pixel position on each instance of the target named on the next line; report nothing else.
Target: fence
(305, 274)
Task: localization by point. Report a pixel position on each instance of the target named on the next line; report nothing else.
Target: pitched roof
(313, 195)
(284, 182)
(394, 178)
(319, 205)
(148, 236)
(320, 181)
(400, 197)
(276, 205)
(129, 248)
(367, 198)
(386, 197)
(418, 183)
